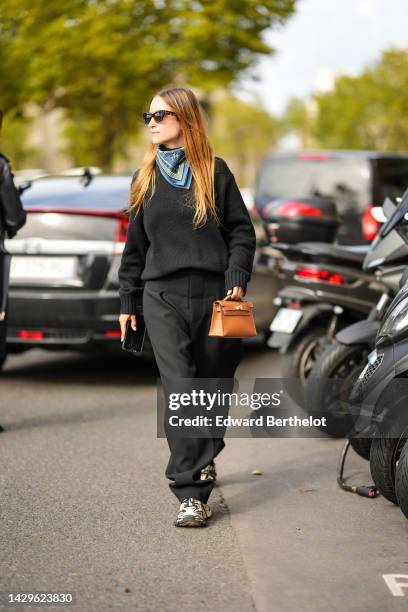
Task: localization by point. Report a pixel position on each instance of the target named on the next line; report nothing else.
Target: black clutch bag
(134, 340)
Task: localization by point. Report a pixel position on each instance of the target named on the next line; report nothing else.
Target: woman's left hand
(236, 292)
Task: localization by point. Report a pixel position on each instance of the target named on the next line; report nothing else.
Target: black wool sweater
(161, 239)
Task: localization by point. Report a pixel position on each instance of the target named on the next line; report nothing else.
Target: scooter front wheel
(299, 361)
(329, 385)
(401, 480)
(362, 446)
(392, 424)
(384, 456)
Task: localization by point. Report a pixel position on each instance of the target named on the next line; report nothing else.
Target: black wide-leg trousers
(177, 310)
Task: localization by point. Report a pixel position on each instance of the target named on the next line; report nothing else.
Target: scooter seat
(348, 255)
(338, 251)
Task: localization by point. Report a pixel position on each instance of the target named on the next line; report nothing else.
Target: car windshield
(339, 178)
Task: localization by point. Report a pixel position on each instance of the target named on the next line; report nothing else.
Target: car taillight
(113, 333)
(313, 156)
(295, 209)
(323, 275)
(28, 334)
(121, 229)
(369, 225)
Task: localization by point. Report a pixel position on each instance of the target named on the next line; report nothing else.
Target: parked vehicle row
(360, 382)
(63, 292)
(291, 186)
(381, 390)
(329, 282)
(387, 259)
(327, 285)
(64, 270)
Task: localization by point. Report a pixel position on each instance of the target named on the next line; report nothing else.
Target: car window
(393, 177)
(346, 180)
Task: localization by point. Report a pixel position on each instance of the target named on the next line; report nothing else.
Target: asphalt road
(85, 506)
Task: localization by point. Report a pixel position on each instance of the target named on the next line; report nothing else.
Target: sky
(323, 39)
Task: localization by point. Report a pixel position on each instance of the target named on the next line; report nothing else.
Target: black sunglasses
(158, 116)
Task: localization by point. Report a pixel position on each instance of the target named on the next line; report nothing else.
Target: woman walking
(190, 241)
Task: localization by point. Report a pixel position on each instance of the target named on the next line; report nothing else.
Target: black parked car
(64, 270)
(316, 186)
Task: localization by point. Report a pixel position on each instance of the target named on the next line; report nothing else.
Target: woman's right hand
(123, 318)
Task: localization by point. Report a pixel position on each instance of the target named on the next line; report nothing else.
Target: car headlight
(396, 321)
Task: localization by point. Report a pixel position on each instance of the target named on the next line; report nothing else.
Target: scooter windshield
(397, 217)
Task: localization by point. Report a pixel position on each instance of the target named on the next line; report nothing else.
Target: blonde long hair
(199, 155)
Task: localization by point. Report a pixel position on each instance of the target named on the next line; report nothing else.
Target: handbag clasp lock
(238, 308)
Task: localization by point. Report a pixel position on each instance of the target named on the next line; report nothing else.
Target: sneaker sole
(190, 522)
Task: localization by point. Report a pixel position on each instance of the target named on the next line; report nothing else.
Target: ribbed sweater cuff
(234, 278)
(128, 304)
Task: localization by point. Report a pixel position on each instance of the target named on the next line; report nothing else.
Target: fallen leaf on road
(307, 490)
(256, 472)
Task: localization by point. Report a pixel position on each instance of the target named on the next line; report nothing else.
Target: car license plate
(286, 320)
(42, 268)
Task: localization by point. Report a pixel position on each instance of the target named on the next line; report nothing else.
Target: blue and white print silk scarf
(174, 166)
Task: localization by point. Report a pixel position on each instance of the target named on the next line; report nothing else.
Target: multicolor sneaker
(193, 513)
(209, 472)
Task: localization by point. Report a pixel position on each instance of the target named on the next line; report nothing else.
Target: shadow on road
(64, 368)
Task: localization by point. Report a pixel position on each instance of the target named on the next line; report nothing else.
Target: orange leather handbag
(232, 318)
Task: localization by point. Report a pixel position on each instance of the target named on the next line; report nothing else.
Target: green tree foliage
(243, 132)
(368, 111)
(14, 140)
(298, 117)
(101, 60)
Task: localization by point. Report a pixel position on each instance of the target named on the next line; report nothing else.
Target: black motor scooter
(340, 364)
(381, 394)
(381, 390)
(325, 290)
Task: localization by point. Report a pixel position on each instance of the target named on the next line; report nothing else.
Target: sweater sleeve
(132, 264)
(239, 235)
